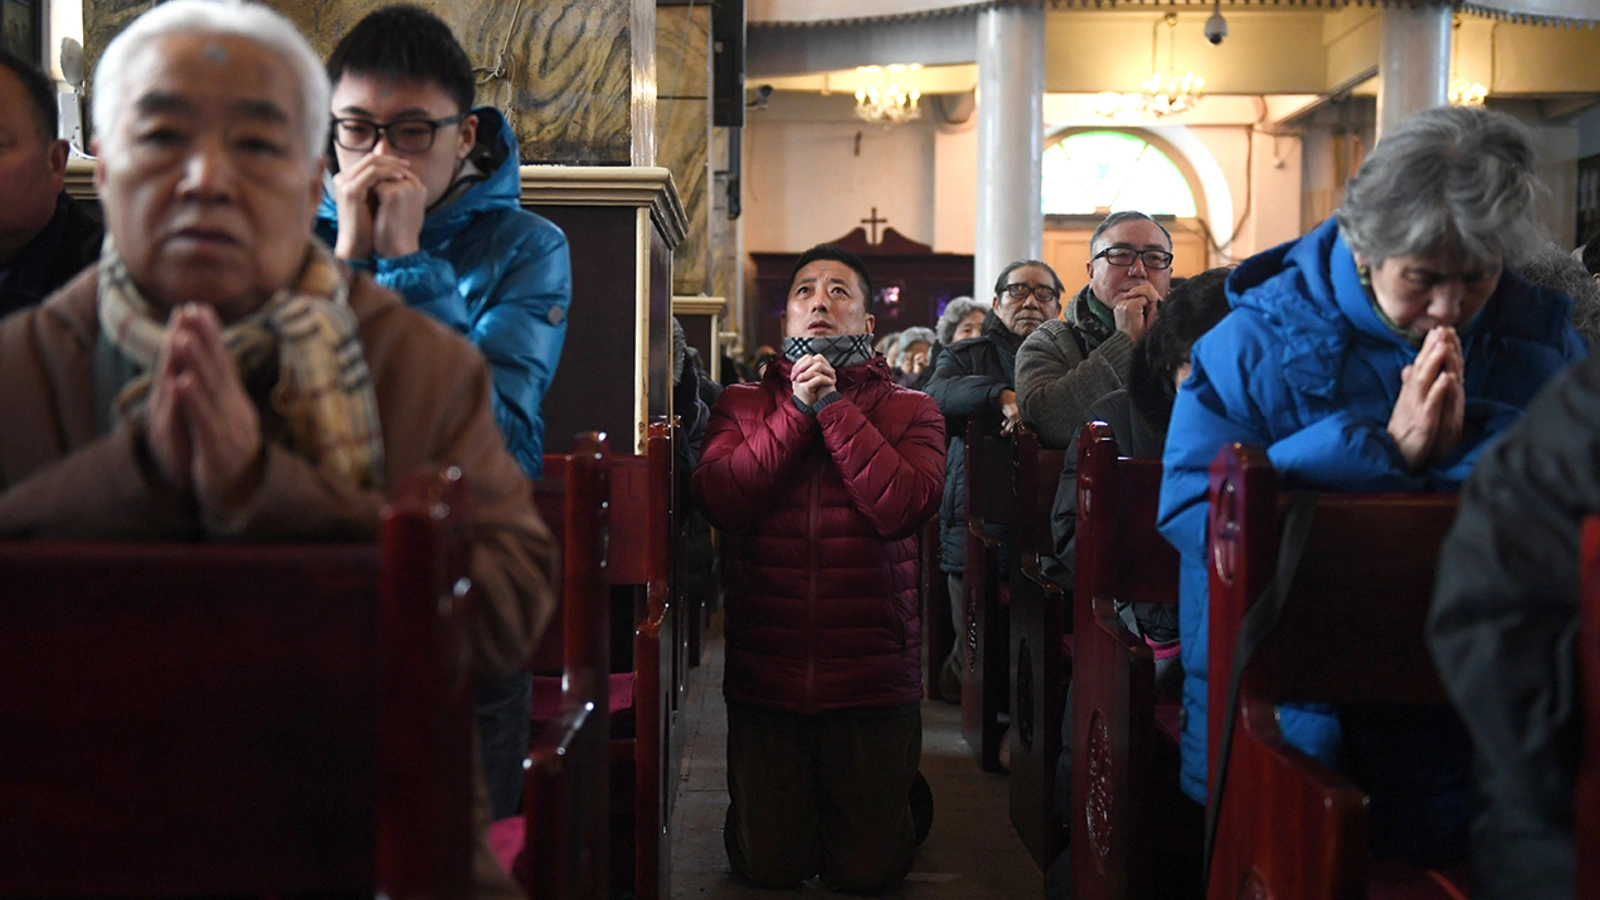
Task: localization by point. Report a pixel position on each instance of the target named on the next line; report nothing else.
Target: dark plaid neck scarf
(840, 350)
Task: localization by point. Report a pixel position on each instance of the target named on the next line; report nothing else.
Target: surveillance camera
(764, 91)
(1216, 28)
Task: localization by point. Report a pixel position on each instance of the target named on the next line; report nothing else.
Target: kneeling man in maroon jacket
(820, 476)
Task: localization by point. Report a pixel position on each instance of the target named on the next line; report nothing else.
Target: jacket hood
(1310, 292)
(495, 155)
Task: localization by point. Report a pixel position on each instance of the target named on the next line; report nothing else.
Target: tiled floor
(972, 852)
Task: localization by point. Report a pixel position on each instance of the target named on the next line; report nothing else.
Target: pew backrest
(1121, 556)
(1351, 630)
(213, 719)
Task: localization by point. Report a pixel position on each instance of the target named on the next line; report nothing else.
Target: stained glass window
(1097, 172)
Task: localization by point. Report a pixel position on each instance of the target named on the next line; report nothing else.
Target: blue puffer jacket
(497, 274)
(1304, 368)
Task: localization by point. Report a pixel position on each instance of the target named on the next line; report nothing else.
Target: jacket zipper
(812, 528)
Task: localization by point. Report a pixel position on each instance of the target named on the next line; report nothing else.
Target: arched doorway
(1089, 173)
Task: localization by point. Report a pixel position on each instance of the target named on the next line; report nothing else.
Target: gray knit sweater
(1065, 366)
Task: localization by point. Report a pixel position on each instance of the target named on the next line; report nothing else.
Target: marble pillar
(576, 78)
(683, 132)
(1414, 62)
(1010, 140)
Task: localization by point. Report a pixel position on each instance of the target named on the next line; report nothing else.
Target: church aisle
(972, 853)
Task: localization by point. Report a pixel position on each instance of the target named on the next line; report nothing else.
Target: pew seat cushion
(506, 837)
(1388, 880)
(547, 702)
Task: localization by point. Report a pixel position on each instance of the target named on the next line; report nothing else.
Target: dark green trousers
(822, 795)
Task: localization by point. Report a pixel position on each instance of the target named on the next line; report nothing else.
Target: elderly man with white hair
(219, 375)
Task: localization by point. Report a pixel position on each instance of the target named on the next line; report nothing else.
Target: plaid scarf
(324, 389)
(841, 351)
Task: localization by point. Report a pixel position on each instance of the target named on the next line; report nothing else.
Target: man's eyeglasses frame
(1153, 259)
(382, 130)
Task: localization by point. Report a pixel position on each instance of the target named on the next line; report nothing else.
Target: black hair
(1191, 310)
(1126, 215)
(406, 43)
(40, 89)
(1000, 283)
(838, 254)
(1591, 254)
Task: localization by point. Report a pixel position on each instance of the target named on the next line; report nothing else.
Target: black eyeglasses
(1124, 256)
(1019, 290)
(406, 135)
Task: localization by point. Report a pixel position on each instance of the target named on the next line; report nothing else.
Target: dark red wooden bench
(1588, 799)
(226, 720)
(566, 791)
(984, 643)
(641, 757)
(1133, 835)
(1351, 632)
(1039, 665)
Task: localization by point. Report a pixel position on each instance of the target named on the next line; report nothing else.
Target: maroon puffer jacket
(820, 516)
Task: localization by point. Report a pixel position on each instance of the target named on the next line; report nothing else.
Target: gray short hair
(236, 18)
(1126, 215)
(1453, 180)
(914, 334)
(954, 312)
(1556, 270)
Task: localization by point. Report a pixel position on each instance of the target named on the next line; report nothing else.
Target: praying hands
(203, 431)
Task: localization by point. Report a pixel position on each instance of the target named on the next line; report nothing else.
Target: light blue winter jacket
(1304, 368)
(497, 274)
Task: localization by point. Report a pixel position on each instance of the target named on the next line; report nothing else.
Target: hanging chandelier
(1160, 95)
(1465, 93)
(886, 102)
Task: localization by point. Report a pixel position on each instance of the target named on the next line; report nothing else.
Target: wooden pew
(1351, 631)
(1039, 665)
(938, 636)
(984, 643)
(1133, 834)
(643, 533)
(1587, 804)
(211, 719)
(566, 790)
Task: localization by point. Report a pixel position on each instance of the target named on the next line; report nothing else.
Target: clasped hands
(1135, 311)
(1430, 413)
(202, 430)
(812, 377)
(381, 205)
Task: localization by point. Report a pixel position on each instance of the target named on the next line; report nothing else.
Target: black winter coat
(1504, 633)
(967, 383)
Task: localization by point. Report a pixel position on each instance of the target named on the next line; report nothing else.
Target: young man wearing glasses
(1068, 364)
(425, 195)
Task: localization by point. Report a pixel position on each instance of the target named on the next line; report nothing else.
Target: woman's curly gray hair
(1453, 181)
(954, 312)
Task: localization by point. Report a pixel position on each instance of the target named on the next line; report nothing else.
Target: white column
(1414, 68)
(1010, 140)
